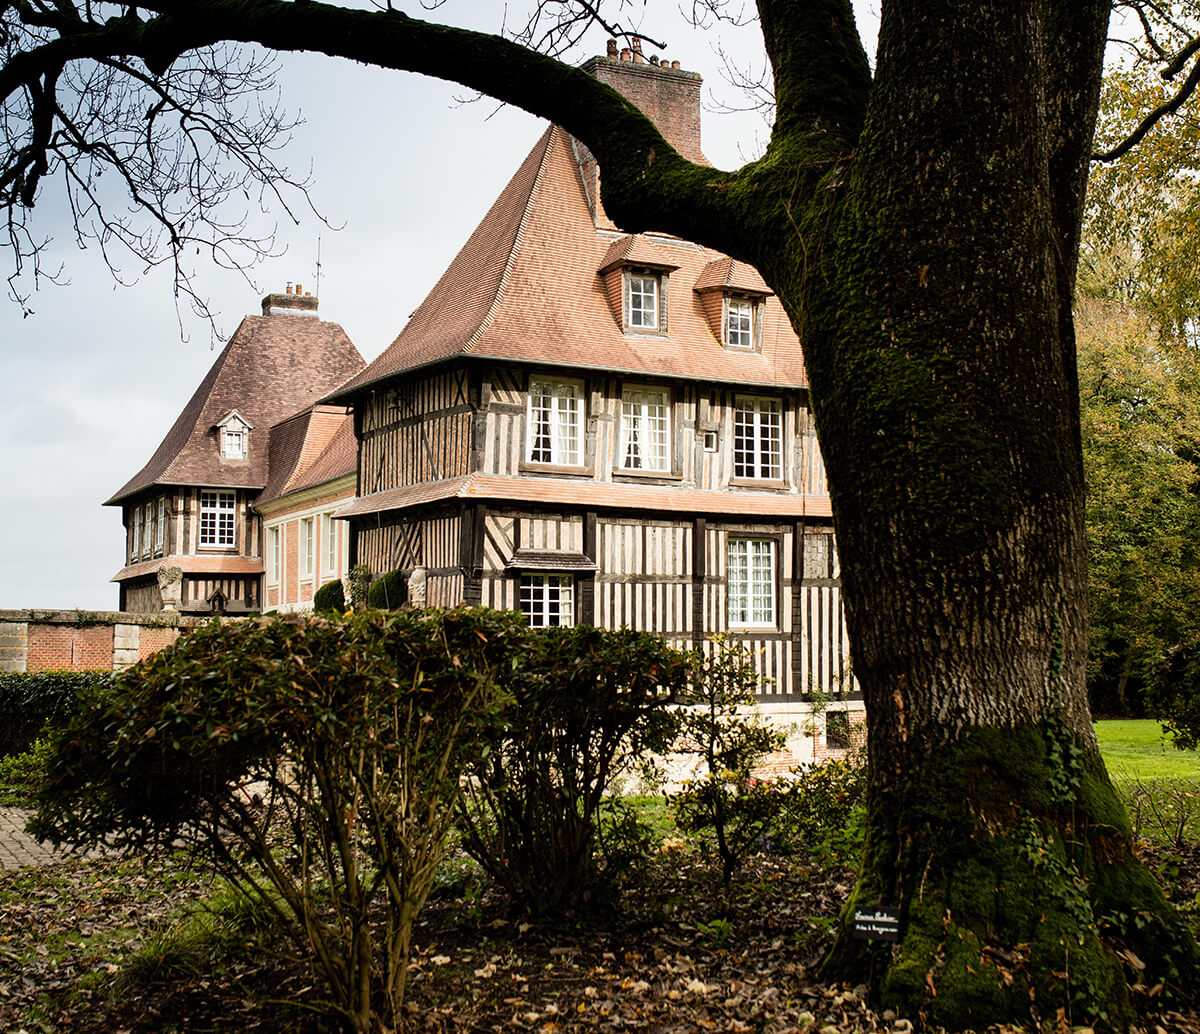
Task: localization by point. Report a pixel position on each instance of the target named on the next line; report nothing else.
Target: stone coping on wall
(85, 618)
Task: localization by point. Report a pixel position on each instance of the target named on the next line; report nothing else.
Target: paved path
(18, 848)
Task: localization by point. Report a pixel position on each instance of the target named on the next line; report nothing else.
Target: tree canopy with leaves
(921, 226)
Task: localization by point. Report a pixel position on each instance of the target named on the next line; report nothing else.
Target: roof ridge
(518, 240)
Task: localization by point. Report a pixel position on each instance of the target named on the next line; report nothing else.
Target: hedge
(30, 699)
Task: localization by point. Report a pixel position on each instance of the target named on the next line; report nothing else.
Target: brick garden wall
(84, 640)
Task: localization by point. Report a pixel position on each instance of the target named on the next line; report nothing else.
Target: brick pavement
(18, 848)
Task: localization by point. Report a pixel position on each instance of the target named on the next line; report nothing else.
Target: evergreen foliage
(330, 598)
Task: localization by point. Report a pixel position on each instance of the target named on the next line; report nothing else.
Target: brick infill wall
(84, 640)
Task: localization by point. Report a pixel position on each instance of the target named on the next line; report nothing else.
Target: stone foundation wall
(84, 640)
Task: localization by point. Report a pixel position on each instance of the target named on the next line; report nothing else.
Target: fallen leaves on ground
(680, 953)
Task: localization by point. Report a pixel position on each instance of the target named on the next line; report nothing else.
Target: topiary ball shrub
(330, 598)
(389, 592)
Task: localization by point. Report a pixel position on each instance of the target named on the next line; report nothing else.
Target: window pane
(758, 439)
(740, 325)
(548, 600)
(643, 301)
(216, 518)
(645, 427)
(555, 419)
(751, 582)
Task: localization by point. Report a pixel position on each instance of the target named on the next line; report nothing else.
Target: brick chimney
(294, 302)
(669, 96)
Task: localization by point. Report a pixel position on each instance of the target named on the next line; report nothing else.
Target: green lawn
(1141, 750)
(1160, 785)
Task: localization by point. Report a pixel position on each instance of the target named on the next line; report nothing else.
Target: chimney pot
(638, 59)
(288, 289)
(299, 289)
(625, 53)
(654, 59)
(674, 64)
(636, 43)
(611, 48)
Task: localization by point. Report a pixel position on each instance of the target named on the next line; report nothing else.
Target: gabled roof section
(526, 287)
(273, 366)
(309, 449)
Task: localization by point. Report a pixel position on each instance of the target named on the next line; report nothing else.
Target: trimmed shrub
(389, 592)
(316, 761)
(330, 598)
(31, 700)
(539, 815)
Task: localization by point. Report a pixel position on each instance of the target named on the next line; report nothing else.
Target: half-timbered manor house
(591, 426)
(190, 509)
(578, 423)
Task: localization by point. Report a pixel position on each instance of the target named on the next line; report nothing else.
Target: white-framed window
(216, 519)
(751, 577)
(645, 429)
(757, 438)
(274, 555)
(739, 322)
(548, 599)
(307, 544)
(555, 422)
(160, 525)
(135, 533)
(331, 538)
(643, 300)
(233, 443)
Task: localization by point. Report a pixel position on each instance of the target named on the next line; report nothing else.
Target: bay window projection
(555, 423)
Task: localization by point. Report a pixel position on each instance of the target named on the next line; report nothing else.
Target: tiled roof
(635, 250)
(730, 274)
(571, 492)
(202, 564)
(526, 287)
(309, 449)
(272, 367)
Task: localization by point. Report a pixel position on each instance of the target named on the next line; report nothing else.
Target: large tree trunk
(938, 333)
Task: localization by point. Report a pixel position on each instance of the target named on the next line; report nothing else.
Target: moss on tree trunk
(1008, 856)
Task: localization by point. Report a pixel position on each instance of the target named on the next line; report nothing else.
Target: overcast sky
(98, 374)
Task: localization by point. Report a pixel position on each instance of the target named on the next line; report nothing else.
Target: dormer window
(739, 322)
(234, 435)
(635, 272)
(734, 298)
(643, 307)
(233, 444)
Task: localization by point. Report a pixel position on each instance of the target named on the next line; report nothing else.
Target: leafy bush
(388, 592)
(28, 700)
(316, 760)
(821, 808)
(1175, 696)
(539, 815)
(21, 775)
(330, 598)
(721, 725)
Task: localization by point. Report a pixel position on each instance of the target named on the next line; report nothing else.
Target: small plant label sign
(876, 924)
